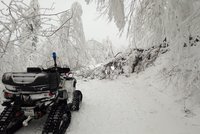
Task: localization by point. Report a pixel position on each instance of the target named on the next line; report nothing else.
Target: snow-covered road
(125, 106)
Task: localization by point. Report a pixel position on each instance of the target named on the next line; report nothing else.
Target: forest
(163, 50)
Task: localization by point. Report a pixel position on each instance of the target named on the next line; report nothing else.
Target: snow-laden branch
(18, 17)
(60, 27)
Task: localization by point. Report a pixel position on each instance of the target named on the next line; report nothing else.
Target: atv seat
(34, 70)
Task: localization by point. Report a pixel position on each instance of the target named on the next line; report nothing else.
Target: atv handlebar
(54, 58)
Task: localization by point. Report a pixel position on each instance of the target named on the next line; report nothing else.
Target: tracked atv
(37, 92)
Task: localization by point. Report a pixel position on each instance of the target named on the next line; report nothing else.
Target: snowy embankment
(140, 104)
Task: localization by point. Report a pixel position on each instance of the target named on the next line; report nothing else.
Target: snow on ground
(137, 104)
(140, 104)
(128, 106)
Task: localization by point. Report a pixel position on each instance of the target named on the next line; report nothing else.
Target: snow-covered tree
(30, 30)
(114, 9)
(69, 42)
(99, 52)
(109, 48)
(153, 22)
(22, 27)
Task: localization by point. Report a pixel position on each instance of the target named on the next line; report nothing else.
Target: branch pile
(132, 61)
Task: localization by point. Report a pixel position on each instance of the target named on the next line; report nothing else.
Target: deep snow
(131, 105)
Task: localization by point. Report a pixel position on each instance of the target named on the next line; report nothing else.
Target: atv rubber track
(76, 100)
(5, 119)
(58, 119)
(9, 123)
